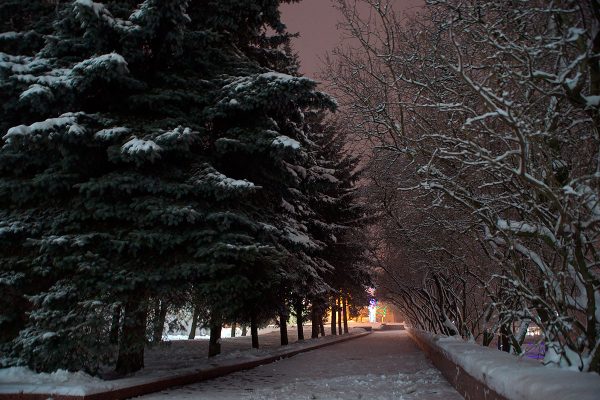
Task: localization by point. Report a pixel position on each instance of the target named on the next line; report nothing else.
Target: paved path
(383, 365)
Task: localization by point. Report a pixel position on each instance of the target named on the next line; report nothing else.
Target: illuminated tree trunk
(345, 314)
(160, 314)
(195, 315)
(339, 312)
(233, 327)
(333, 315)
(314, 317)
(298, 309)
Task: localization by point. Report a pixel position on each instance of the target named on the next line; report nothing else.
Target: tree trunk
(487, 338)
(155, 307)
(114, 326)
(233, 327)
(321, 324)
(333, 316)
(214, 343)
(315, 323)
(254, 331)
(339, 319)
(159, 322)
(298, 310)
(504, 338)
(244, 330)
(345, 314)
(195, 315)
(283, 328)
(133, 336)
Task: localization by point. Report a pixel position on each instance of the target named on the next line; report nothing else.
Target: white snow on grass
(15, 379)
(513, 377)
(203, 333)
(25, 375)
(163, 361)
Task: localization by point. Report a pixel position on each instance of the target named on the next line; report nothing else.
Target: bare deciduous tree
(484, 119)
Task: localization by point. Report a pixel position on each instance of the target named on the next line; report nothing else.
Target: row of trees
(157, 156)
(484, 120)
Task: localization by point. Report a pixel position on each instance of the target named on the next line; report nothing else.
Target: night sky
(316, 21)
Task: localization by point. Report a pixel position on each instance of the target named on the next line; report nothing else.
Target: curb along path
(485, 373)
(137, 386)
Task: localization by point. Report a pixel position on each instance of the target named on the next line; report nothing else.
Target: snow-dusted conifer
(340, 220)
(158, 147)
(109, 187)
(258, 122)
(152, 147)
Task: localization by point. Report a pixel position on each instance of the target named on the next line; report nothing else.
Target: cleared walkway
(384, 365)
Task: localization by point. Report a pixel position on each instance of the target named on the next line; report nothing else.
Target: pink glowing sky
(316, 21)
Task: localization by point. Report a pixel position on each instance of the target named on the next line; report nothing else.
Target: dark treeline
(158, 157)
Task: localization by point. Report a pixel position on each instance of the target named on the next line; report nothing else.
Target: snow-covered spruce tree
(143, 129)
(22, 35)
(24, 25)
(271, 151)
(342, 220)
(262, 136)
(114, 195)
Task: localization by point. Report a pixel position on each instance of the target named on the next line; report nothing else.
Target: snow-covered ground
(204, 333)
(383, 365)
(164, 361)
(182, 354)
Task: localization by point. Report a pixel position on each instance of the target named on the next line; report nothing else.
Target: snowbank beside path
(172, 371)
(512, 377)
(22, 379)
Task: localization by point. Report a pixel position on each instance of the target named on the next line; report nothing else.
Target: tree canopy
(148, 148)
